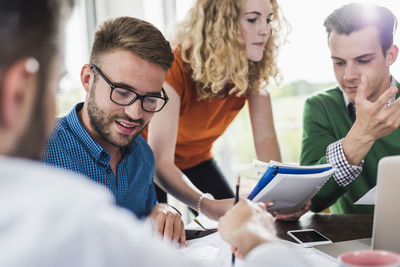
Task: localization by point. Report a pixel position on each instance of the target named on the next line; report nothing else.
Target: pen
(236, 200)
(237, 190)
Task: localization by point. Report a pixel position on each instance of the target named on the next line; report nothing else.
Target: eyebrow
(365, 55)
(356, 58)
(126, 86)
(154, 94)
(257, 13)
(123, 85)
(252, 12)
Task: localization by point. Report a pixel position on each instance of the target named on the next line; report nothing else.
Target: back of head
(31, 30)
(134, 35)
(355, 16)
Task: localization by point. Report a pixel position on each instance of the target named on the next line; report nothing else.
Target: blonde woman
(225, 54)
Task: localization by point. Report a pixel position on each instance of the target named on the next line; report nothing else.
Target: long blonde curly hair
(210, 42)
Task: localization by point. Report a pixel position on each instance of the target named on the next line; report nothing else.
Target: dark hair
(134, 35)
(31, 29)
(355, 16)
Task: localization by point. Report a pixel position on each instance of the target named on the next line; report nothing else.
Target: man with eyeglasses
(100, 138)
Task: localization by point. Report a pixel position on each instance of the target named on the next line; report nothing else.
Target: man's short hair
(134, 35)
(355, 16)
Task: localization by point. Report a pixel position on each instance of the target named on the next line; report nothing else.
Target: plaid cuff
(345, 172)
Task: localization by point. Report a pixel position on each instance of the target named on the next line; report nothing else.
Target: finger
(268, 204)
(243, 201)
(307, 206)
(394, 110)
(159, 222)
(168, 227)
(177, 228)
(182, 238)
(292, 216)
(362, 88)
(238, 254)
(273, 212)
(386, 96)
(261, 206)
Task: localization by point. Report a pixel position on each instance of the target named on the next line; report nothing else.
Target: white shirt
(51, 218)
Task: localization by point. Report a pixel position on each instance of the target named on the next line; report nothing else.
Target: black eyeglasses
(125, 96)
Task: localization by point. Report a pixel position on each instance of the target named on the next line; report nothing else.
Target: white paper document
(290, 192)
(213, 249)
(368, 199)
(209, 249)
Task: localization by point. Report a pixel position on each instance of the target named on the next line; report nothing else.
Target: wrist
(359, 136)
(200, 201)
(355, 147)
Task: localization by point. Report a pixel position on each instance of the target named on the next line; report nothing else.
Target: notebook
(386, 225)
(289, 186)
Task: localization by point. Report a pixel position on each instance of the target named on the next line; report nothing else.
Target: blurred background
(304, 62)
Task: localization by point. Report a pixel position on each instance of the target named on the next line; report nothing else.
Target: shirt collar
(93, 148)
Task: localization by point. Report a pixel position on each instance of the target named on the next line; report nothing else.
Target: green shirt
(325, 120)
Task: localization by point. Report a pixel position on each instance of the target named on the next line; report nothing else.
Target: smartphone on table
(309, 237)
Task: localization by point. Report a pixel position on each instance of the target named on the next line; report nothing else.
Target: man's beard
(101, 123)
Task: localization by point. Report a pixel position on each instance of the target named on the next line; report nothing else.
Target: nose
(134, 111)
(264, 29)
(350, 72)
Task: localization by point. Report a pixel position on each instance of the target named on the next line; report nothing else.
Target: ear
(87, 77)
(17, 90)
(391, 55)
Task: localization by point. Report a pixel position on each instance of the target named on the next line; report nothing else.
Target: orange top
(200, 122)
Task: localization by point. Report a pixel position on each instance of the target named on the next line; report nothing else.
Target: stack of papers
(289, 186)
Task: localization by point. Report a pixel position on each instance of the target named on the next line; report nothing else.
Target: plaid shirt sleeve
(345, 172)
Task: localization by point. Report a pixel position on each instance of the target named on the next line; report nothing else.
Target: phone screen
(309, 236)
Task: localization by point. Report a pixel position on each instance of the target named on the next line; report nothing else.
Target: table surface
(337, 227)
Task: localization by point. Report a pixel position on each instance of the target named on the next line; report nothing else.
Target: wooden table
(337, 227)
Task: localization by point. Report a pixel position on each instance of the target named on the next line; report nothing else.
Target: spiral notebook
(289, 186)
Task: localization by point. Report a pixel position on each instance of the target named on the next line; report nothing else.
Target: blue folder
(272, 171)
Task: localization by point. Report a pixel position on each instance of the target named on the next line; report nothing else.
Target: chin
(255, 58)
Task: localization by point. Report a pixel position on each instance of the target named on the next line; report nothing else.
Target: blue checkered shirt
(72, 148)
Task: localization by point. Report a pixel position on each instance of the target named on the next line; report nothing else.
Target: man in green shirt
(357, 123)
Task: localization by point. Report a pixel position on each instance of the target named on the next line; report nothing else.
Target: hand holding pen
(246, 226)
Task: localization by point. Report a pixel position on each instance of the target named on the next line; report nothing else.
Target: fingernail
(270, 204)
(393, 90)
(363, 78)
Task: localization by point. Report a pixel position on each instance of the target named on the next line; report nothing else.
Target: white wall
(158, 12)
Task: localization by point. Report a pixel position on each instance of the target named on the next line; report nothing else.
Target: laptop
(386, 225)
